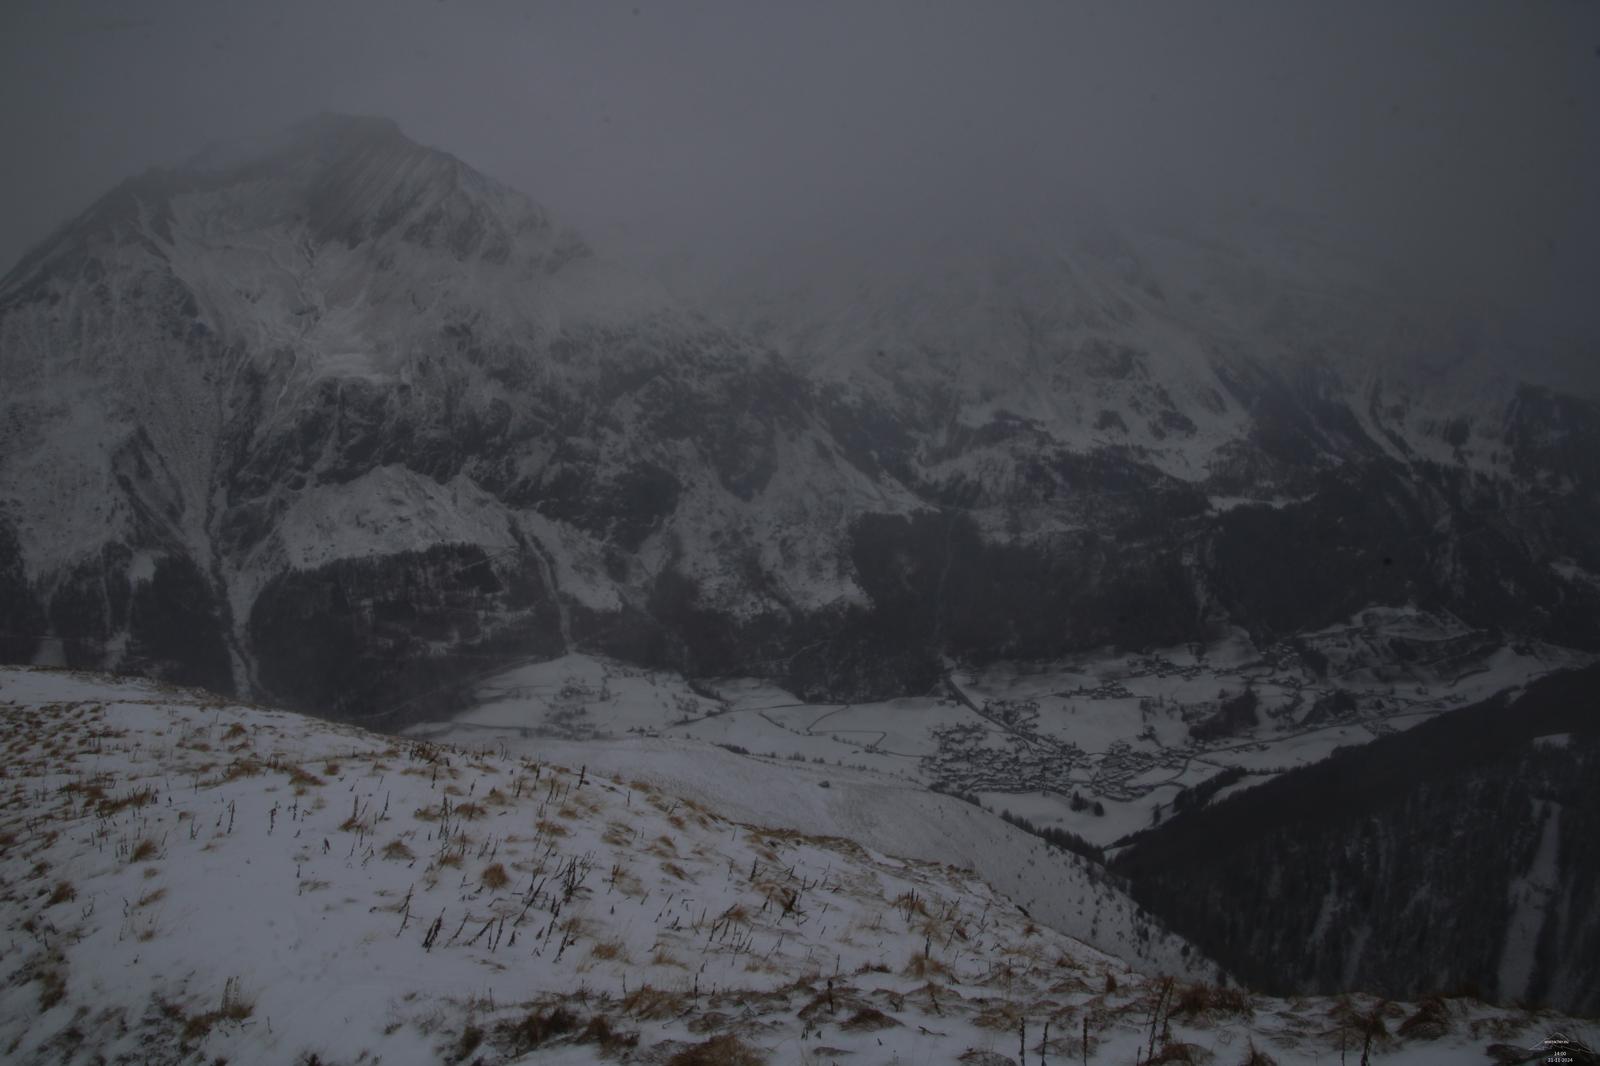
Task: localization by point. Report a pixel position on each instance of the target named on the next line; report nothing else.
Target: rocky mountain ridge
(343, 423)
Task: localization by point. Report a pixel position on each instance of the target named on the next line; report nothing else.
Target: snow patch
(1529, 900)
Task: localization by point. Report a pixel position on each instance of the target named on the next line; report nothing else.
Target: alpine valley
(1098, 527)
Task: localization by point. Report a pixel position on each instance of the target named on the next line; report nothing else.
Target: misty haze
(729, 533)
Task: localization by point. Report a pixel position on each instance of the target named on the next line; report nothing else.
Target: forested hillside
(1424, 862)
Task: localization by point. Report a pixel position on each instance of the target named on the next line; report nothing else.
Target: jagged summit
(330, 180)
(368, 180)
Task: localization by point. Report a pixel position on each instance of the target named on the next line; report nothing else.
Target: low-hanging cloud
(1457, 140)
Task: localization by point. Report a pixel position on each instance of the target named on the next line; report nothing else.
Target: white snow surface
(1123, 730)
(390, 509)
(184, 880)
(1529, 898)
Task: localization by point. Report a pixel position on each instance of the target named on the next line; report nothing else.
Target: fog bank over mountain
(1451, 144)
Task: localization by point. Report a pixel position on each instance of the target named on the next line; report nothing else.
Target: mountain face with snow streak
(341, 422)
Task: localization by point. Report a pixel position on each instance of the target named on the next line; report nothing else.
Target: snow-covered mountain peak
(339, 354)
(332, 183)
(1177, 343)
(354, 179)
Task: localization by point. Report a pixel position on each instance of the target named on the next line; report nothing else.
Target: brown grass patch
(599, 1031)
(52, 989)
(1364, 1024)
(921, 966)
(397, 849)
(647, 1001)
(537, 1028)
(245, 767)
(494, 877)
(757, 964)
(145, 849)
(724, 1050)
(471, 1037)
(1430, 1022)
(911, 903)
(549, 828)
(133, 800)
(868, 1020)
(63, 893)
(1201, 999)
(234, 1008)
(1002, 1017)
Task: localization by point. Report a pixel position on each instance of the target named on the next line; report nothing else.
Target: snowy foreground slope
(184, 879)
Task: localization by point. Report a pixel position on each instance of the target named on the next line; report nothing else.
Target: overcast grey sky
(1464, 137)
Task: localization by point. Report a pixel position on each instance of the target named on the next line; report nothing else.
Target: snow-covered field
(188, 880)
(1100, 744)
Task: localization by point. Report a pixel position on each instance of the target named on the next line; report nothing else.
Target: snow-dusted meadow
(186, 880)
(1126, 731)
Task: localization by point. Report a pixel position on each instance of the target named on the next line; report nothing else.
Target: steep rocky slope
(339, 421)
(354, 385)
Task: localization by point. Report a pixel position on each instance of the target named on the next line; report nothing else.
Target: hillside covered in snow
(189, 879)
